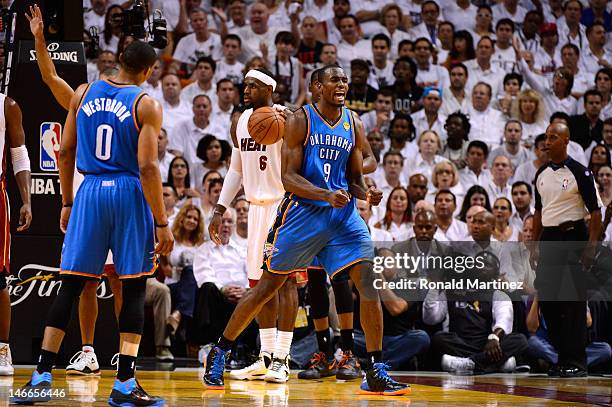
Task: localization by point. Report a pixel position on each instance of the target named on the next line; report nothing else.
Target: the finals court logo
(50, 136)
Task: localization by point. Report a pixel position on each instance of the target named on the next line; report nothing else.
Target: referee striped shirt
(565, 192)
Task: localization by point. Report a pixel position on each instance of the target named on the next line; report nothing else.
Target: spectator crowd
(454, 95)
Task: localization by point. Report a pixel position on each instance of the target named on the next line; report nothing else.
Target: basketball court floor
(183, 387)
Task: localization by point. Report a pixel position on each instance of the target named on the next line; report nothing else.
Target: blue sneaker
(378, 381)
(37, 390)
(130, 394)
(215, 366)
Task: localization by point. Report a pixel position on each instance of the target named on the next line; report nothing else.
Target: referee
(564, 192)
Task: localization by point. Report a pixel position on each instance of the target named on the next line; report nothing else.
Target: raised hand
(36, 20)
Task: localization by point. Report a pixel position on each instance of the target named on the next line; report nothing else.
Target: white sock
(88, 349)
(283, 344)
(267, 336)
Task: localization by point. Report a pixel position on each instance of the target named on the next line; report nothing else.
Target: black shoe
(554, 371)
(570, 371)
(348, 367)
(377, 381)
(37, 390)
(129, 393)
(318, 368)
(215, 366)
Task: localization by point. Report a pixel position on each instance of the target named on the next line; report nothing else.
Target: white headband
(254, 73)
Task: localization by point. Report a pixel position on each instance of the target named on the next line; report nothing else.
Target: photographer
(479, 337)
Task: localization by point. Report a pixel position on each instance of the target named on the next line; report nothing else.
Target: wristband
(67, 205)
(160, 226)
(493, 337)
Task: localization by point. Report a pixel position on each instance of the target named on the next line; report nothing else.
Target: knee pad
(2, 281)
(131, 319)
(344, 296)
(61, 310)
(317, 290)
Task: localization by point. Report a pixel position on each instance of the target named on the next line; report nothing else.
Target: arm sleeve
(503, 315)
(232, 181)
(435, 307)
(587, 188)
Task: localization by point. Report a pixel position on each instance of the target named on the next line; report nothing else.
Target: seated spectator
(407, 93)
(393, 163)
(487, 123)
(175, 109)
(481, 68)
(504, 56)
(222, 112)
(213, 154)
(401, 135)
(221, 278)
(512, 147)
(483, 24)
(600, 156)
(429, 118)
(457, 128)
(417, 189)
(379, 119)
(179, 178)
(203, 85)
(574, 149)
(170, 197)
(401, 341)
(241, 234)
(583, 80)
(540, 347)
(446, 177)
(287, 69)
(392, 17)
(475, 196)
(428, 74)
(462, 49)
(529, 109)
(106, 59)
(511, 87)
(382, 68)
(606, 135)
(504, 232)
(188, 232)
(208, 202)
(201, 42)
(603, 83)
(449, 228)
(375, 139)
(187, 134)
(479, 337)
(361, 96)
(595, 56)
(526, 171)
(475, 172)
(309, 48)
(112, 29)
(164, 158)
(229, 67)
(257, 31)
(153, 85)
(429, 145)
(352, 46)
(604, 183)
(456, 98)
(377, 234)
(501, 172)
(397, 215)
(522, 196)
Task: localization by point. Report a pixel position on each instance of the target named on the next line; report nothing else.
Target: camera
(132, 23)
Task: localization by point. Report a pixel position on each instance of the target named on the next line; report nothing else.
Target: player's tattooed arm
(369, 161)
(355, 170)
(291, 167)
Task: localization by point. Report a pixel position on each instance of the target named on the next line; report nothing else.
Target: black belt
(567, 226)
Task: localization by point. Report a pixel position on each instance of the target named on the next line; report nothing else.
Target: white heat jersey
(261, 165)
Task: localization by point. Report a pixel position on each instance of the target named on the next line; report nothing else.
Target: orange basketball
(266, 125)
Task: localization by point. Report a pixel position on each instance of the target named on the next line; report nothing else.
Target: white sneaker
(509, 365)
(256, 371)
(83, 363)
(456, 364)
(278, 372)
(6, 361)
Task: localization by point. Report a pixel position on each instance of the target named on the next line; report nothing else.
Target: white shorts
(261, 218)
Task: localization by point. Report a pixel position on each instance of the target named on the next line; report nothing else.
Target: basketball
(266, 125)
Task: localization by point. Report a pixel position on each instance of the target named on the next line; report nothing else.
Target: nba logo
(50, 136)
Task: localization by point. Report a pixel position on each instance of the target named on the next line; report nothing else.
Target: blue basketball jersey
(107, 130)
(326, 151)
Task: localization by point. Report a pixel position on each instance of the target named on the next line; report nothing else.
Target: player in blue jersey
(119, 207)
(322, 161)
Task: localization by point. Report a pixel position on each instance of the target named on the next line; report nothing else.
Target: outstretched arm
(292, 159)
(62, 92)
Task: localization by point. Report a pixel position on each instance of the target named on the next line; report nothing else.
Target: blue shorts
(109, 213)
(338, 238)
